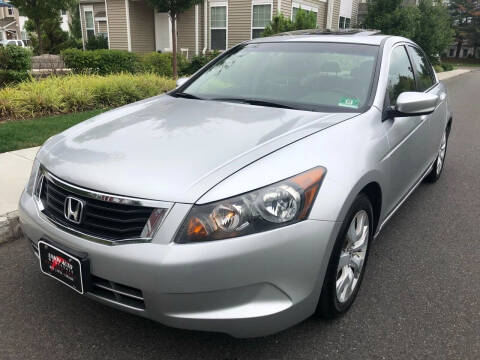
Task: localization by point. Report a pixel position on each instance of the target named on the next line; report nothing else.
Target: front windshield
(309, 76)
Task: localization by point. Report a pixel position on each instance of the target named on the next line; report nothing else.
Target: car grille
(118, 293)
(102, 219)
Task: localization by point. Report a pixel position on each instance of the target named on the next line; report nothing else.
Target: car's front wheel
(348, 260)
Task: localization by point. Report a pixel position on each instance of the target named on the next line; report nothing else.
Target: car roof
(356, 36)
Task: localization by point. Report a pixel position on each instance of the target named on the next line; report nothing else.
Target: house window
(89, 24)
(452, 52)
(63, 12)
(297, 6)
(10, 11)
(261, 17)
(465, 52)
(218, 27)
(343, 23)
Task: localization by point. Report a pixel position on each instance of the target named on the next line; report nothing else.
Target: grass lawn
(21, 134)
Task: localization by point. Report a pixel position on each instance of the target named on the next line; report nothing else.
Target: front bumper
(249, 286)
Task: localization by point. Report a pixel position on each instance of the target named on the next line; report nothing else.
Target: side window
(426, 79)
(400, 74)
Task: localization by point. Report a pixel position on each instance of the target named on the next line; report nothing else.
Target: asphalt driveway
(419, 299)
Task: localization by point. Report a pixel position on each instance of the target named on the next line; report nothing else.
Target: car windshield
(330, 77)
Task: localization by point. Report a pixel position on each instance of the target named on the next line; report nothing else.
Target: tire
(439, 163)
(331, 303)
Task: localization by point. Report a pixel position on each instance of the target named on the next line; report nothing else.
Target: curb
(9, 227)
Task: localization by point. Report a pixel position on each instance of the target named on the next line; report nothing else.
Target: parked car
(245, 200)
(14, 42)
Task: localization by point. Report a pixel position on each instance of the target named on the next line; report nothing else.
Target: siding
(142, 26)
(239, 21)
(322, 15)
(287, 8)
(186, 31)
(336, 14)
(354, 20)
(117, 24)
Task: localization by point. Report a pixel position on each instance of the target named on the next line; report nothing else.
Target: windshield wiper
(186, 95)
(257, 102)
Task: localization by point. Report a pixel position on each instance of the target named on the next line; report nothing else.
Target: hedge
(104, 62)
(100, 62)
(59, 95)
(15, 62)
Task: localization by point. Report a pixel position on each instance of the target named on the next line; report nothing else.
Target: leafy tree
(53, 38)
(174, 8)
(40, 11)
(303, 20)
(428, 24)
(466, 22)
(74, 24)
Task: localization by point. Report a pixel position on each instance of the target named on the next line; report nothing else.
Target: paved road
(419, 300)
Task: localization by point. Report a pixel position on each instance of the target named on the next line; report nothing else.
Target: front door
(407, 136)
(163, 32)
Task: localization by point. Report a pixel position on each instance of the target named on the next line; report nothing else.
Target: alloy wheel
(352, 256)
(441, 153)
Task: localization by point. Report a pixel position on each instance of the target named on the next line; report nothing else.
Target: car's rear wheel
(439, 163)
(348, 260)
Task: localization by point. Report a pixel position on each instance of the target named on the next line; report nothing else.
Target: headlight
(33, 177)
(284, 203)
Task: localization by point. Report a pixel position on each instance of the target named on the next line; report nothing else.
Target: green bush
(447, 67)
(161, 64)
(438, 68)
(303, 20)
(101, 62)
(15, 58)
(97, 42)
(8, 77)
(58, 95)
(200, 61)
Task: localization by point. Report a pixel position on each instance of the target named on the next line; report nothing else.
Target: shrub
(303, 20)
(438, 68)
(200, 61)
(97, 42)
(447, 67)
(101, 62)
(8, 77)
(15, 58)
(161, 63)
(57, 95)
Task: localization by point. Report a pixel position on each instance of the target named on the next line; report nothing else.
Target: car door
(409, 149)
(427, 82)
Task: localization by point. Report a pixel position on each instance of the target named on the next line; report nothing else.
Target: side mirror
(414, 104)
(181, 81)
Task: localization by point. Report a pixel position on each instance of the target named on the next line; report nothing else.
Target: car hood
(174, 149)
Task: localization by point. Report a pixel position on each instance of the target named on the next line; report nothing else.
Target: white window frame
(85, 10)
(217, 4)
(298, 5)
(260, 2)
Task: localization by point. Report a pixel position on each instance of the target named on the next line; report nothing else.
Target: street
(419, 298)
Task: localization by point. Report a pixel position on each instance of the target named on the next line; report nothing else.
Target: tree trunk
(459, 48)
(173, 17)
(39, 36)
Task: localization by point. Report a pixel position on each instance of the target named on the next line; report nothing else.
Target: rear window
(325, 76)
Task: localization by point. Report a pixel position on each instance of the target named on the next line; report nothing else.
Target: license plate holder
(64, 265)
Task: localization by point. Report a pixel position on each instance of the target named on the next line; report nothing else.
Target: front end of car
(249, 265)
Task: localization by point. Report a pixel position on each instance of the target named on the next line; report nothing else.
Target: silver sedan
(245, 200)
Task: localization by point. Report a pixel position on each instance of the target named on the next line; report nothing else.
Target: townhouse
(9, 23)
(212, 25)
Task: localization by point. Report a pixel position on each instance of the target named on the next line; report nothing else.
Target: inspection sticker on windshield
(349, 102)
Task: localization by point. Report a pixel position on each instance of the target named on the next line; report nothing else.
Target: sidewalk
(15, 169)
(449, 74)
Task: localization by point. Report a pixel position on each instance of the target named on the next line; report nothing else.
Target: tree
(303, 20)
(40, 11)
(174, 8)
(466, 22)
(74, 24)
(53, 38)
(428, 24)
